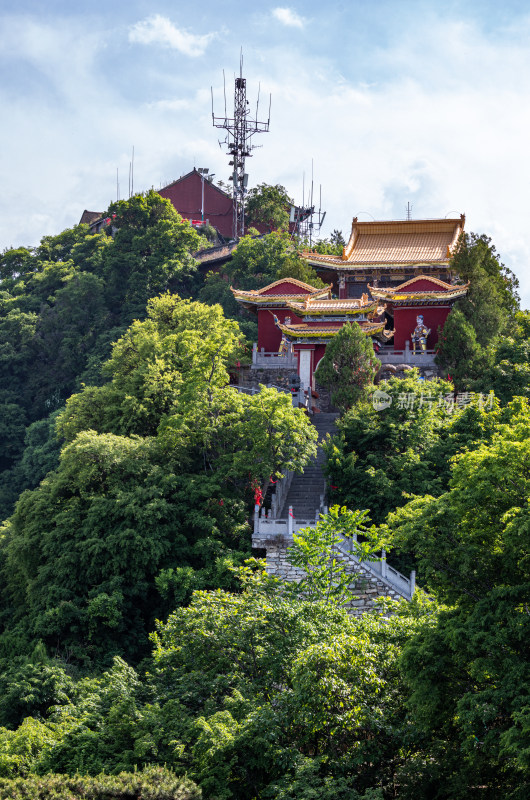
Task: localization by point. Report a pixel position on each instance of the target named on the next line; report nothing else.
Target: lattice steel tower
(239, 131)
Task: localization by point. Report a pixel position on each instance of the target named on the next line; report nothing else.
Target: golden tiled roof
(308, 331)
(403, 243)
(317, 307)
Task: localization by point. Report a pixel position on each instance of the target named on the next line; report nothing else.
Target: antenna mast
(239, 131)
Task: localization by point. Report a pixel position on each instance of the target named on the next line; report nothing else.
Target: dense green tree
(508, 371)
(258, 261)
(268, 205)
(63, 303)
(181, 350)
(289, 683)
(17, 352)
(66, 331)
(492, 299)
(29, 687)
(150, 497)
(459, 353)
(154, 783)
(216, 289)
(152, 252)
(40, 455)
(400, 442)
(469, 675)
(483, 315)
(348, 367)
(13, 263)
(332, 246)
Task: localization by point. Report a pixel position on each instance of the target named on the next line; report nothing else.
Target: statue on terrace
(419, 335)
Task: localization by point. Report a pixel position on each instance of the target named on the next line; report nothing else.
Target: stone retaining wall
(367, 586)
(251, 378)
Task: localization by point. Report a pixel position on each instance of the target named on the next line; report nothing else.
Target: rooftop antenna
(308, 221)
(239, 132)
(409, 211)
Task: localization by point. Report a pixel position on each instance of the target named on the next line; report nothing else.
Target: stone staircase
(307, 489)
(297, 505)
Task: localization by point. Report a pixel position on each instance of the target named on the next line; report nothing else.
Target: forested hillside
(141, 649)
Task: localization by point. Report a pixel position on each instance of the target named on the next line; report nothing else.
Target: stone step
(310, 486)
(312, 480)
(306, 489)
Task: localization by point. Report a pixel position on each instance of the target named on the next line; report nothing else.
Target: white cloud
(170, 105)
(160, 30)
(288, 17)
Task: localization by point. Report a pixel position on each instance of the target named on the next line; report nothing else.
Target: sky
(388, 102)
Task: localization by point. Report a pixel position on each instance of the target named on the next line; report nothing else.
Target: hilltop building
(393, 278)
(199, 200)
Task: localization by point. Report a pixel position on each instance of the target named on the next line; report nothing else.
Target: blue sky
(394, 102)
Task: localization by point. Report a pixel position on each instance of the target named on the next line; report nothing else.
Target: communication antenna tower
(239, 131)
(307, 221)
(409, 211)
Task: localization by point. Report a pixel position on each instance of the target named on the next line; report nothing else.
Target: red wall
(186, 195)
(269, 337)
(405, 322)
(320, 349)
(422, 285)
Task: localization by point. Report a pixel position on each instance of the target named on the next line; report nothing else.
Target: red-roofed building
(187, 194)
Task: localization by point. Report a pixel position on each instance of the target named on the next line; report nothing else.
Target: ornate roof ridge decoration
(403, 242)
(254, 297)
(448, 291)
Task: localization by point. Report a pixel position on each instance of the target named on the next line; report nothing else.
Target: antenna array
(307, 221)
(239, 131)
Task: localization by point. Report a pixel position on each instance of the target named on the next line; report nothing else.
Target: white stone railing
(266, 526)
(278, 498)
(381, 570)
(420, 358)
(262, 359)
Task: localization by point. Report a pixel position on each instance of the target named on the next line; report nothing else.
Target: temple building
(389, 253)
(271, 304)
(426, 296)
(295, 319)
(394, 279)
